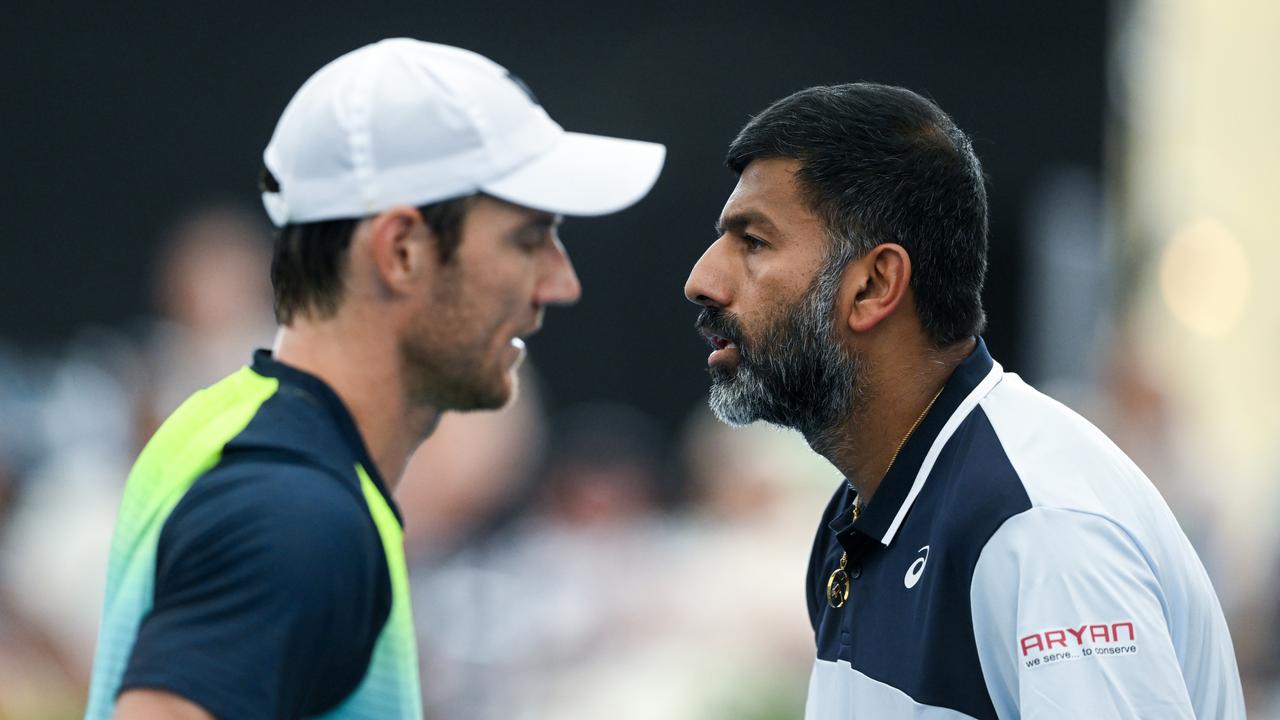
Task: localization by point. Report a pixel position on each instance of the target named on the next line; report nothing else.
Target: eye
(533, 238)
(753, 243)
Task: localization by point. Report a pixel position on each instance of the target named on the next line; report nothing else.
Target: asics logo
(916, 569)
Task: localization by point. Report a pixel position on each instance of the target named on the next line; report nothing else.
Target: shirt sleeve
(1069, 622)
(270, 590)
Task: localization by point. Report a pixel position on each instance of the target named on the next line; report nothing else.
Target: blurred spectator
(72, 428)
(54, 541)
(568, 594)
(472, 466)
(213, 294)
(468, 481)
(515, 613)
(33, 683)
(721, 630)
(1135, 409)
(606, 469)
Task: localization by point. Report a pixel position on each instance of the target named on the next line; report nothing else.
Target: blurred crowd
(584, 563)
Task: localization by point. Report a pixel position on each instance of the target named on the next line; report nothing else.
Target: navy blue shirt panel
(307, 419)
(920, 639)
(271, 583)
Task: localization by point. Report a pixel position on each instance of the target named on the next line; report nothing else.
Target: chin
(493, 395)
(499, 399)
(731, 405)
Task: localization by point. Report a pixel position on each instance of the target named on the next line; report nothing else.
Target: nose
(559, 284)
(707, 284)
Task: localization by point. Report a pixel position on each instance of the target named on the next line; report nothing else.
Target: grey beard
(795, 374)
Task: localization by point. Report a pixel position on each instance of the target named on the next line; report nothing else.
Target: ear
(880, 280)
(400, 247)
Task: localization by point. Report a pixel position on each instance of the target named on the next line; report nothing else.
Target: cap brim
(583, 175)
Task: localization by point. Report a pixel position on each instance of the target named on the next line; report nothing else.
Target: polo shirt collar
(968, 384)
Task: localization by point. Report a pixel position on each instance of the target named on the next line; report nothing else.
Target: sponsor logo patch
(1090, 640)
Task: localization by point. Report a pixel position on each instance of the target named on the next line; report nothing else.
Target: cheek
(498, 314)
(771, 275)
(766, 313)
(510, 295)
(491, 303)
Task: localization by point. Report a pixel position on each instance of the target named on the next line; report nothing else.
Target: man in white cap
(257, 568)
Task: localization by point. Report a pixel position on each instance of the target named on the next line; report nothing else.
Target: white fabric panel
(1100, 546)
(838, 692)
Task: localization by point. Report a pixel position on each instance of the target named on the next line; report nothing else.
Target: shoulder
(1064, 542)
(1063, 460)
(1048, 565)
(1020, 449)
(277, 489)
(294, 427)
(1020, 454)
(271, 587)
(271, 518)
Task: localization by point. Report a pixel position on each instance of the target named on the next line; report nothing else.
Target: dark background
(116, 121)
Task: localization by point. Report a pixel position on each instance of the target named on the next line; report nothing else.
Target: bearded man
(991, 554)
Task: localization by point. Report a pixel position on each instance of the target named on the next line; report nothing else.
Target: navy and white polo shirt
(1014, 563)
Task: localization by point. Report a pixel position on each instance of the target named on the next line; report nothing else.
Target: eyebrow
(541, 221)
(740, 221)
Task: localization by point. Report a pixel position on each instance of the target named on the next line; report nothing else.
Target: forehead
(768, 199)
(486, 208)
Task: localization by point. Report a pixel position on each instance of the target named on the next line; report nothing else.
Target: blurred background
(603, 548)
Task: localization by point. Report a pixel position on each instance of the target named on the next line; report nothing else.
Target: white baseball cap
(406, 122)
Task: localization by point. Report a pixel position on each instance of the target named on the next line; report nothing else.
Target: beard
(444, 360)
(794, 373)
(447, 378)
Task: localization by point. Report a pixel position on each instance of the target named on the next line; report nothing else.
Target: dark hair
(881, 164)
(309, 258)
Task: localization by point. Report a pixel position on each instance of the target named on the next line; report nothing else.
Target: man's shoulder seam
(276, 479)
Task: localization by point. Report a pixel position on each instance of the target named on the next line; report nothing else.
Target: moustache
(714, 321)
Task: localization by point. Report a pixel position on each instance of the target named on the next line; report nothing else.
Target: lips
(724, 351)
(521, 337)
(517, 341)
(719, 342)
(719, 329)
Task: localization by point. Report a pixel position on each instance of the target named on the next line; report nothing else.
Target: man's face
(462, 348)
(768, 293)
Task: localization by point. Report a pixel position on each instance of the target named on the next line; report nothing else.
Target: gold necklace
(838, 582)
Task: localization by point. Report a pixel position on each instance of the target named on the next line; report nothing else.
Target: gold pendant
(838, 584)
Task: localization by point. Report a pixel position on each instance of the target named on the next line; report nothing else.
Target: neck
(899, 388)
(363, 368)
